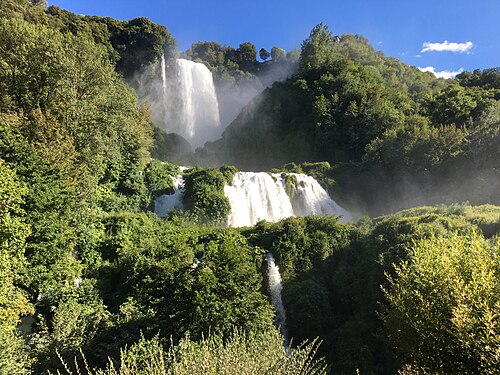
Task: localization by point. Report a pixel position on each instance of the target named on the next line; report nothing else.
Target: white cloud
(446, 74)
(447, 46)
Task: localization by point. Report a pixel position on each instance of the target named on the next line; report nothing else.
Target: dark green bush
(204, 196)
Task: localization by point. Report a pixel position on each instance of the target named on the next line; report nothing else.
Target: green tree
(204, 196)
(416, 146)
(246, 56)
(444, 303)
(130, 44)
(318, 49)
(211, 53)
(278, 54)
(264, 54)
(484, 139)
(458, 105)
(74, 102)
(486, 79)
(13, 8)
(13, 234)
(15, 358)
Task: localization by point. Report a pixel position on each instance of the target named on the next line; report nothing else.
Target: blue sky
(398, 28)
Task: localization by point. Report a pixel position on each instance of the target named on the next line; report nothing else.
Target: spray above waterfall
(190, 106)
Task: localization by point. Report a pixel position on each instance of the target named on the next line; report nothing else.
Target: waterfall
(168, 202)
(261, 196)
(275, 287)
(198, 110)
(163, 70)
(310, 198)
(256, 196)
(188, 102)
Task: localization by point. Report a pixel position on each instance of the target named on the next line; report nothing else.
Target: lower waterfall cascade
(256, 196)
(169, 202)
(262, 196)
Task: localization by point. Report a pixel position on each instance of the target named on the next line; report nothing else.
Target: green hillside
(93, 282)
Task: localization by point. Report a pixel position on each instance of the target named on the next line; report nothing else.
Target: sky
(441, 36)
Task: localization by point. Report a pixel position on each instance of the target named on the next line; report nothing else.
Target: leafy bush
(204, 196)
(443, 305)
(228, 171)
(254, 353)
(15, 358)
(158, 177)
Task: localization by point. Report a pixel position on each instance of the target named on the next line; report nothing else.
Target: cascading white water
(198, 110)
(261, 196)
(257, 196)
(168, 202)
(275, 287)
(310, 198)
(163, 69)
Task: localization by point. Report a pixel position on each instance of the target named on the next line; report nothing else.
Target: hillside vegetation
(91, 281)
(395, 137)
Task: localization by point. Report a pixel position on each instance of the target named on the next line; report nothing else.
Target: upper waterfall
(164, 86)
(191, 106)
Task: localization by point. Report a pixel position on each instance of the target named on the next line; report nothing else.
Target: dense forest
(93, 282)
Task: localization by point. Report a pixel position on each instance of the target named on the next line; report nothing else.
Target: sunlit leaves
(444, 304)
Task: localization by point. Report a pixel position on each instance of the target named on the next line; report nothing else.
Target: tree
(415, 146)
(211, 53)
(13, 234)
(458, 105)
(14, 354)
(247, 52)
(277, 54)
(264, 54)
(246, 56)
(204, 196)
(14, 357)
(318, 49)
(75, 103)
(39, 3)
(486, 79)
(444, 303)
